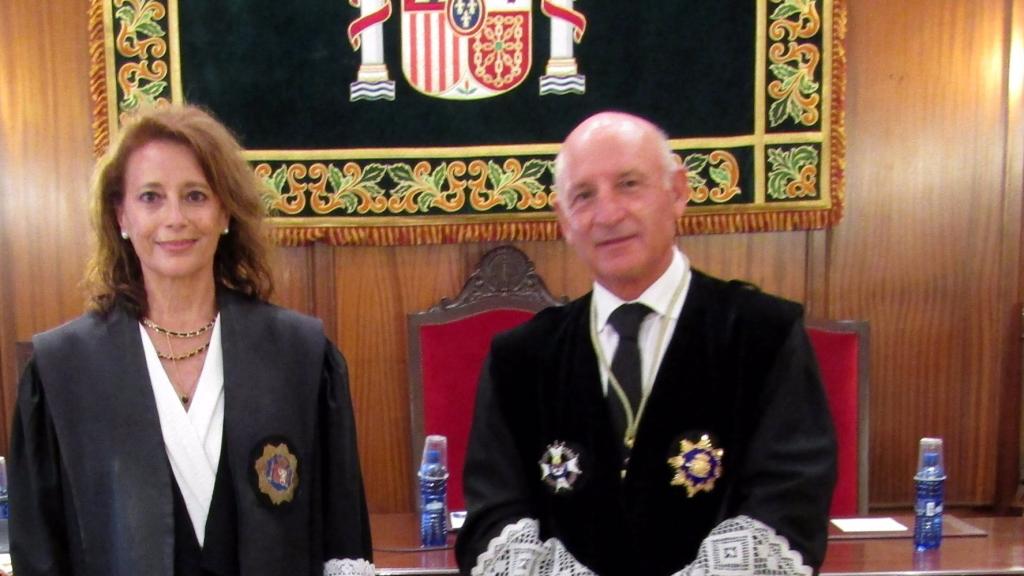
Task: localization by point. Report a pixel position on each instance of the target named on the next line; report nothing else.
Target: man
(690, 434)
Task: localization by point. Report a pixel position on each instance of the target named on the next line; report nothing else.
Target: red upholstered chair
(448, 345)
(842, 347)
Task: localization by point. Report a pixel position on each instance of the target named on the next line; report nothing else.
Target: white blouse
(192, 437)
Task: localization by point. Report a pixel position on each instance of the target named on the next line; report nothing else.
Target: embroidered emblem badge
(697, 465)
(277, 472)
(560, 467)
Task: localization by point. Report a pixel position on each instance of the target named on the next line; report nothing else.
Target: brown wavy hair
(241, 262)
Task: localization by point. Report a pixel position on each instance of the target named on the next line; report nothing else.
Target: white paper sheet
(868, 525)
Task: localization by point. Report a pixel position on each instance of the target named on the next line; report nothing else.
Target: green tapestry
(422, 121)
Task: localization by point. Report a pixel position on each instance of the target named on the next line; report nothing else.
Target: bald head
(632, 129)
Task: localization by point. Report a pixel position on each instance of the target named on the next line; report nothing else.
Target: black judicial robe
(738, 367)
(91, 491)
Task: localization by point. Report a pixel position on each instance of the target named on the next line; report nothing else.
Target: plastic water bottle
(4, 510)
(433, 477)
(929, 480)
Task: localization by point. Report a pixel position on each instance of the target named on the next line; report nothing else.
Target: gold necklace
(189, 334)
(184, 356)
(173, 358)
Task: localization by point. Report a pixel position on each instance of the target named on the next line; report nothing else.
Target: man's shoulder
(745, 302)
(547, 324)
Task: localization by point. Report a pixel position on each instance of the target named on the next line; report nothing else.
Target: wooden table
(999, 551)
(397, 551)
(987, 546)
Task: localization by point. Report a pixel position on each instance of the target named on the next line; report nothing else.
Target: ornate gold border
(826, 211)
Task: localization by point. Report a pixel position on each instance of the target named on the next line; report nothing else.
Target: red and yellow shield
(466, 49)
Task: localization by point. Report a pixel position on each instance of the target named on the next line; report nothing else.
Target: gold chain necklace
(190, 334)
(173, 358)
(184, 356)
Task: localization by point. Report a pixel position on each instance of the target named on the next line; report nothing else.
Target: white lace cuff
(742, 545)
(348, 567)
(518, 551)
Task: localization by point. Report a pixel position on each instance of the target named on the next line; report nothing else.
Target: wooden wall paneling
(45, 107)
(776, 262)
(49, 161)
(918, 253)
(816, 287)
(8, 372)
(294, 278)
(1011, 407)
(323, 281)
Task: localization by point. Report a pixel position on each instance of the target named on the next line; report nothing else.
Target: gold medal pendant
(277, 472)
(697, 466)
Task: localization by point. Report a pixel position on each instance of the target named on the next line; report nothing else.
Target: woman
(184, 426)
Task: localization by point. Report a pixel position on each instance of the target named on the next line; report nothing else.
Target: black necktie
(626, 320)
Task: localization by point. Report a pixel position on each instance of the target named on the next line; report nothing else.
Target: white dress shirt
(658, 297)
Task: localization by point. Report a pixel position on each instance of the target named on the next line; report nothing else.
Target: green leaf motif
(777, 185)
(373, 172)
(804, 156)
(535, 169)
(720, 176)
(402, 189)
(425, 201)
(808, 86)
(334, 178)
(400, 173)
(279, 179)
(350, 202)
(783, 71)
(438, 177)
(130, 102)
(533, 187)
(777, 112)
(777, 156)
(125, 14)
(695, 181)
(786, 10)
(373, 189)
(793, 108)
(510, 197)
(154, 89)
(272, 188)
(695, 162)
(150, 28)
(495, 175)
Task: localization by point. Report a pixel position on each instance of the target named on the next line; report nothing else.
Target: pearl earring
(124, 235)
(225, 231)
